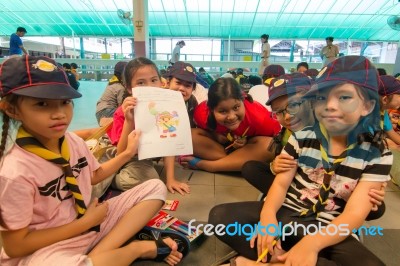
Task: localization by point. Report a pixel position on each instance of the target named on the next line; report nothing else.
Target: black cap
(183, 71)
(35, 76)
(288, 84)
(354, 69)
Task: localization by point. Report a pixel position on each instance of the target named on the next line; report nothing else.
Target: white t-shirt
(260, 94)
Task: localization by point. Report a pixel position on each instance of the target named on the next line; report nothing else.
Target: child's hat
(388, 85)
(35, 76)
(273, 71)
(288, 84)
(354, 69)
(183, 71)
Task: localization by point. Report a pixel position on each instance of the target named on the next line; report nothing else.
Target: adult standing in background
(16, 46)
(329, 52)
(265, 52)
(176, 53)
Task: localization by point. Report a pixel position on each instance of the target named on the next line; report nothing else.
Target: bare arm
(172, 184)
(392, 135)
(23, 49)
(108, 168)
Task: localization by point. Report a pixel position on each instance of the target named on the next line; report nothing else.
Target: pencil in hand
(265, 252)
(242, 137)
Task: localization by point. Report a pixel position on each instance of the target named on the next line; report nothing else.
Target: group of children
(319, 156)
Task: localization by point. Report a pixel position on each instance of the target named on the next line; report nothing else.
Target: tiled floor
(208, 189)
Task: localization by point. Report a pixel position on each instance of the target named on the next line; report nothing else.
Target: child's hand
(133, 142)
(239, 142)
(180, 187)
(303, 253)
(377, 196)
(127, 107)
(96, 212)
(282, 163)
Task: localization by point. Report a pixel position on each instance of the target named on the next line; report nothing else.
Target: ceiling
(237, 19)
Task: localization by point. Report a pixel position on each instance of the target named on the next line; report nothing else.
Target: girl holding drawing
(232, 129)
(138, 72)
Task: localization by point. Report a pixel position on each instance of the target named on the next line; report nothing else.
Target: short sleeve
(292, 147)
(200, 115)
(16, 213)
(378, 169)
(116, 130)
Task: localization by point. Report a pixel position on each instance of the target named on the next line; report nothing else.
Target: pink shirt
(33, 191)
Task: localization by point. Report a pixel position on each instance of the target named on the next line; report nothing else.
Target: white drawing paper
(162, 117)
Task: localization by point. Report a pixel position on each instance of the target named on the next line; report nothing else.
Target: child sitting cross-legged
(46, 177)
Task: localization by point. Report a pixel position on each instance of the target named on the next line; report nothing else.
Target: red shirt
(257, 118)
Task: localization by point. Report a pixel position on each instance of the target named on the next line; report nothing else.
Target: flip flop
(150, 233)
(191, 163)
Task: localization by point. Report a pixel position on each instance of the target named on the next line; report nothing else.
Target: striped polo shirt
(361, 165)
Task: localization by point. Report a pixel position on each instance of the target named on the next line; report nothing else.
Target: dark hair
(222, 89)
(201, 69)
(133, 66)
(381, 71)
(397, 75)
(330, 38)
(74, 65)
(255, 80)
(67, 66)
(304, 64)
(265, 36)
(21, 29)
(181, 42)
(8, 100)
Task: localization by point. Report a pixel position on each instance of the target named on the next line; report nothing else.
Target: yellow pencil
(242, 137)
(265, 252)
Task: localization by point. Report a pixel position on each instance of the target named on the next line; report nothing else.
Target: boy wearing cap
(389, 91)
(181, 77)
(47, 216)
(293, 113)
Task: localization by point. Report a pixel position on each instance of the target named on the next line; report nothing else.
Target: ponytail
(10, 126)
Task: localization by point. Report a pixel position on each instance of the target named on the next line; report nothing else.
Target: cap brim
(275, 97)
(49, 91)
(184, 78)
(321, 86)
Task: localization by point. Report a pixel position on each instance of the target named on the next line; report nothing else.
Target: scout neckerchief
(32, 145)
(382, 119)
(279, 141)
(329, 171)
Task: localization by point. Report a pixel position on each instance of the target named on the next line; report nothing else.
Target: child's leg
(129, 253)
(205, 146)
(256, 149)
(128, 213)
(134, 173)
(350, 252)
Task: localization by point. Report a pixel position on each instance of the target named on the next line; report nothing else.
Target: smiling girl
(232, 129)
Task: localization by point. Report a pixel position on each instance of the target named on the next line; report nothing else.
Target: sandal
(192, 164)
(150, 233)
